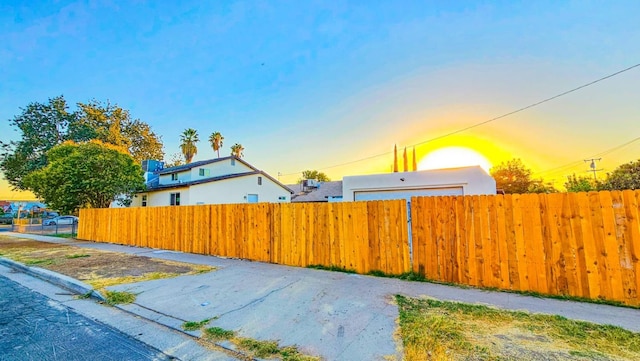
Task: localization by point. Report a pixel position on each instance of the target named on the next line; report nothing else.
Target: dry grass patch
(437, 330)
(98, 268)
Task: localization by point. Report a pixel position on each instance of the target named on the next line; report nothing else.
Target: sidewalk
(334, 315)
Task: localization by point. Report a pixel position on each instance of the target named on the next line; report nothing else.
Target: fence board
(581, 244)
(623, 234)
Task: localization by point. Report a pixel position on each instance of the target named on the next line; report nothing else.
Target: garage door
(406, 193)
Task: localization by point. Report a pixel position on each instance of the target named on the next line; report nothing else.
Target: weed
(260, 348)
(217, 333)
(85, 296)
(331, 268)
(193, 325)
(117, 297)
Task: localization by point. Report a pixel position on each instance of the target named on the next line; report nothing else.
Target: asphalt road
(34, 327)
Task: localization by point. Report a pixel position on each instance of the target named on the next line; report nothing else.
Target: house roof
(184, 167)
(214, 179)
(319, 194)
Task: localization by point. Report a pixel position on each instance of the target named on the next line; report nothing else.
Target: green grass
(194, 325)
(39, 262)
(437, 328)
(117, 298)
(72, 256)
(62, 235)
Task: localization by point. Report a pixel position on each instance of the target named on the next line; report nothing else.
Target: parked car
(60, 220)
(6, 219)
(49, 214)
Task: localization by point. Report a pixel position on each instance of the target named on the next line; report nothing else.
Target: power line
(577, 162)
(486, 121)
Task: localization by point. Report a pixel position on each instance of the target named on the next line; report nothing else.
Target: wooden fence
(578, 244)
(359, 236)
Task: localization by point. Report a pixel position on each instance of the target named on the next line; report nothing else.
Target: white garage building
(404, 185)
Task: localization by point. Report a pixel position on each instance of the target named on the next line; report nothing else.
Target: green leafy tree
(174, 160)
(626, 176)
(188, 140)
(45, 125)
(539, 186)
(111, 124)
(512, 176)
(580, 184)
(42, 126)
(91, 174)
(237, 150)
(216, 139)
(314, 174)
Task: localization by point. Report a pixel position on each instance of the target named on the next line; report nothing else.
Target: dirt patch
(98, 268)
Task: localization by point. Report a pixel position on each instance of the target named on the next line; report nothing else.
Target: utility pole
(593, 167)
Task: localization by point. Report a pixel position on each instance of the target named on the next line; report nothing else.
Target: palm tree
(188, 140)
(216, 142)
(237, 149)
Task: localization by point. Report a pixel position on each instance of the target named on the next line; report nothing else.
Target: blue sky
(312, 84)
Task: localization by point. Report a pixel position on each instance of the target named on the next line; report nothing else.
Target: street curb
(57, 279)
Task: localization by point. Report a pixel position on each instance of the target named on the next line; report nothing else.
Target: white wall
(221, 168)
(226, 191)
(235, 190)
(184, 176)
(472, 180)
(216, 169)
(162, 198)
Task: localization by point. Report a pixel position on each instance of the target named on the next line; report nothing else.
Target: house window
(175, 199)
(174, 176)
(233, 161)
(144, 200)
(259, 181)
(204, 172)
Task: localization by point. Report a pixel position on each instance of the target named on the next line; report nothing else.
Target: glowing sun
(453, 157)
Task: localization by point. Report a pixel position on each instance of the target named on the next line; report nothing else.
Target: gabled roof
(214, 179)
(319, 194)
(184, 167)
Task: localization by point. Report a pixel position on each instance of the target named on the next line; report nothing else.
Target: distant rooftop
(319, 194)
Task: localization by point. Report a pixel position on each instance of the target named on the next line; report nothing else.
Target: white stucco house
(403, 185)
(214, 181)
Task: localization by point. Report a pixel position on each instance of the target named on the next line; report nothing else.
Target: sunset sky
(333, 85)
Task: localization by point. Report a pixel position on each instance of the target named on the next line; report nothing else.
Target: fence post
(409, 235)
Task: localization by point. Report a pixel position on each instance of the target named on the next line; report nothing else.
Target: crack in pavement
(259, 300)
